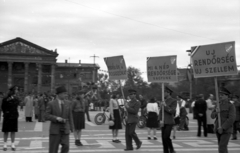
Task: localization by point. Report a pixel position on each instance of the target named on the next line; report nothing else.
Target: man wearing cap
(227, 115)
(59, 113)
(170, 105)
(132, 108)
(201, 108)
(236, 124)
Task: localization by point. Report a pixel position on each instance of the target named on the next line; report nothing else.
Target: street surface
(33, 138)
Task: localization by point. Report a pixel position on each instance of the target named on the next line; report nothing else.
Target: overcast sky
(135, 29)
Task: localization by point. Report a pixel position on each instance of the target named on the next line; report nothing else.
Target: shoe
(234, 139)
(89, 121)
(173, 151)
(4, 149)
(149, 138)
(13, 149)
(155, 138)
(139, 145)
(80, 143)
(76, 142)
(128, 149)
(117, 141)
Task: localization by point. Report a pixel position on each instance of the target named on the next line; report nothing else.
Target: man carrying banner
(170, 105)
(132, 108)
(227, 114)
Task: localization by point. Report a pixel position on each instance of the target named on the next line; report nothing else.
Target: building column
(9, 75)
(26, 66)
(94, 75)
(39, 86)
(53, 78)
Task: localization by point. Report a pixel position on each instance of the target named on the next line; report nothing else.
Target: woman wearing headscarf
(10, 116)
(115, 116)
(152, 120)
(78, 110)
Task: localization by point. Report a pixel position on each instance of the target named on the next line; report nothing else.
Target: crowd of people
(67, 114)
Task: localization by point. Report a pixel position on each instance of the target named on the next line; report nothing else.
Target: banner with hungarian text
(214, 60)
(116, 67)
(162, 69)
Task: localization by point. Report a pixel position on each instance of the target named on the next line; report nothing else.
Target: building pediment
(21, 46)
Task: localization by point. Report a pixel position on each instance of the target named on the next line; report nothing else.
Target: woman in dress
(152, 120)
(78, 110)
(115, 117)
(10, 116)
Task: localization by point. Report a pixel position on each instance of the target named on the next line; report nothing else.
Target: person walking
(201, 108)
(176, 120)
(210, 106)
(227, 116)
(78, 111)
(143, 105)
(115, 117)
(59, 113)
(132, 108)
(36, 107)
(42, 107)
(28, 107)
(236, 124)
(152, 118)
(1, 98)
(183, 113)
(87, 104)
(10, 116)
(169, 105)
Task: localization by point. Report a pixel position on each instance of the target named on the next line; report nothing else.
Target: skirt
(78, 120)
(10, 125)
(117, 120)
(177, 120)
(152, 120)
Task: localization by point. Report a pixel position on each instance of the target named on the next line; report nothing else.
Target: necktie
(62, 107)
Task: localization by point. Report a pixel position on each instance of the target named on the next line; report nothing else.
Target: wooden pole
(121, 89)
(217, 97)
(162, 106)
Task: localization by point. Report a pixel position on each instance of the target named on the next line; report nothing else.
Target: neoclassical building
(35, 68)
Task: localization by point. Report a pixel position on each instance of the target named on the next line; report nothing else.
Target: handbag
(110, 122)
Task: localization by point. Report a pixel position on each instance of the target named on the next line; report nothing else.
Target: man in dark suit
(201, 110)
(132, 108)
(170, 105)
(227, 115)
(60, 114)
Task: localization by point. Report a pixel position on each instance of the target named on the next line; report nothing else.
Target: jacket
(169, 111)
(132, 111)
(227, 114)
(200, 107)
(53, 111)
(10, 107)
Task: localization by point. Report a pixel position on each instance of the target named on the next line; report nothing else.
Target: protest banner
(116, 67)
(162, 69)
(214, 60)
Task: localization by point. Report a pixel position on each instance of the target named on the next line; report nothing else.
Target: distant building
(35, 68)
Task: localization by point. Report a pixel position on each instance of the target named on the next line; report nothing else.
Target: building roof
(77, 65)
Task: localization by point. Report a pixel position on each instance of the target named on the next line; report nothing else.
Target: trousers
(131, 134)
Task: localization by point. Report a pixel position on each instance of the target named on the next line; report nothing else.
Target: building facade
(35, 69)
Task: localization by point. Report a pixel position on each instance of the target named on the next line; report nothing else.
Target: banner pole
(163, 101)
(126, 113)
(121, 89)
(218, 105)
